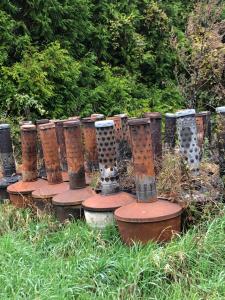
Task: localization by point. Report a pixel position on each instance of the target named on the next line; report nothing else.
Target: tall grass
(41, 259)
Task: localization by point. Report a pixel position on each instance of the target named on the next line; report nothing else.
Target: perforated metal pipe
(107, 156)
(6, 151)
(75, 154)
(170, 130)
(40, 158)
(221, 138)
(29, 152)
(90, 144)
(187, 136)
(50, 151)
(61, 144)
(125, 149)
(142, 151)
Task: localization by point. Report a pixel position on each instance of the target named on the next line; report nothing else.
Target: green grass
(40, 259)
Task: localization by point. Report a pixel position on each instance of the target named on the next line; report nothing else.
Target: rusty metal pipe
(61, 144)
(40, 157)
(170, 131)
(221, 138)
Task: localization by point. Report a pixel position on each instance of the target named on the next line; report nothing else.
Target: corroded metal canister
(188, 141)
(40, 158)
(29, 152)
(90, 144)
(50, 151)
(221, 138)
(75, 154)
(61, 144)
(156, 133)
(106, 144)
(200, 129)
(6, 151)
(170, 131)
(141, 143)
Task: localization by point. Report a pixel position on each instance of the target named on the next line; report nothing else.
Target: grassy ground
(40, 259)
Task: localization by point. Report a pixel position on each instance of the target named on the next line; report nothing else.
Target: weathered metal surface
(6, 151)
(90, 144)
(221, 138)
(107, 202)
(40, 158)
(75, 154)
(200, 129)
(106, 145)
(97, 117)
(142, 150)
(64, 213)
(206, 115)
(50, 151)
(125, 149)
(29, 152)
(61, 144)
(21, 123)
(170, 131)
(48, 191)
(156, 134)
(187, 136)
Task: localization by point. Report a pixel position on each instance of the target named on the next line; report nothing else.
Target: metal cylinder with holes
(90, 144)
(75, 154)
(29, 152)
(106, 145)
(6, 151)
(170, 131)
(142, 150)
(125, 149)
(221, 138)
(40, 158)
(156, 134)
(61, 144)
(200, 129)
(187, 137)
(50, 151)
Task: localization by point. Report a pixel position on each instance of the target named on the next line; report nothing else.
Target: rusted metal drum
(29, 152)
(170, 131)
(90, 144)
(188, 140)
(61, 144)
(99, 209)
(148, 218)
(50, 151)
(7, 161)
(40, 158)
(156, 134)
(221, 138)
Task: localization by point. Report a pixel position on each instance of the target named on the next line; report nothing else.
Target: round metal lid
(220, 109)
(185, 113)
(204, 113)
(100, 202)
(28, 127)
(72, 123)
(42, 121)
(74, 118)
(25, 187)
(73, 197)
(88, 120)
(138, 121)
(47, 126)
(138, 212)
(4, 126)
(153, 115)
(170, 115)
(97, 116)
(21, 123)
(104, 123)
(50, 190)
(121, 116)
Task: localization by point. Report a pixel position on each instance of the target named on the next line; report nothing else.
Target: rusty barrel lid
(25, 187)
(28, 127)
(42, 121)
(71, 123)
(47, 126)
(138, 121)
(50, 190)
(153, 115)
(111, 202)
(157, 211)
(73, 197)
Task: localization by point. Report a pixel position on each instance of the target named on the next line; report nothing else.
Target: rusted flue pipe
(170, 130)
(125, 149)
(106, 145)
(40, 158)
(61, 144)
(221, 138)
(90, 144)
(188, 141)
(141, 143)
(50, 151)
(75, 154)
(200, 130)
(206, 115)
(29, 152)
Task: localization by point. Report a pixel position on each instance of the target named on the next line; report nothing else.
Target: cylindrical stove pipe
(142, 151)
(206, 115)
(125, 143)
(221, 138)
(106, 145)
(118, 136)
(29, 152)
(61, 144)
(6, 151)
(200, 129)
(40, 158)
(156, 134)
(75, 154)
(170, 131)
(50, 151)
(90, 144)
(187, 136)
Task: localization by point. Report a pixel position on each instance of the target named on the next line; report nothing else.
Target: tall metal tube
(142, 150)
(106, 144)
(40, 158)
(221, 138)
(75, 154)
(61, 144)
(170, 130)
